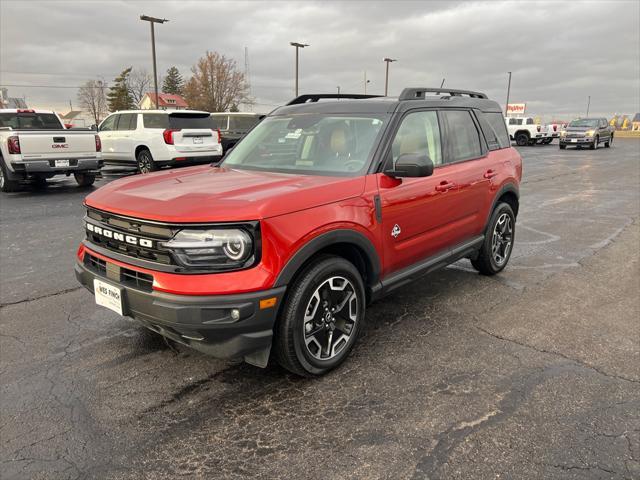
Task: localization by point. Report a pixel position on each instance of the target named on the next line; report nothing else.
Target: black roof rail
(419, 93)
(314, 97)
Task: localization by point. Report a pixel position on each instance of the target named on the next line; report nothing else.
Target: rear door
(192, 132)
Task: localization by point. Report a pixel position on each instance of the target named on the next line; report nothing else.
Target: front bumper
(203, 323)
(48, 167)
(576, 140)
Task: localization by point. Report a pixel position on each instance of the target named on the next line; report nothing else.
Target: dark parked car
(587, 131)
(233, 126)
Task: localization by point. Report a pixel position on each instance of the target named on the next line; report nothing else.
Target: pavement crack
(32, 299)
(557, 354)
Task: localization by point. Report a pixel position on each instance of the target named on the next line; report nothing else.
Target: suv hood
(579, 129)
(214, 194)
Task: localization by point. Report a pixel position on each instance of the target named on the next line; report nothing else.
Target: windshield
(313, 144)
(585, 122)
(30, 121)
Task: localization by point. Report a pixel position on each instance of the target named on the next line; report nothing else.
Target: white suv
(152, 139)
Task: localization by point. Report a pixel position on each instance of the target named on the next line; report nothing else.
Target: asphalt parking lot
(534, 373)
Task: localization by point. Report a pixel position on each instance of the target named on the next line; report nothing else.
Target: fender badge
(395, 231)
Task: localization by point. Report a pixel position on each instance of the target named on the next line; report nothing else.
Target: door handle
(444, 186)
(490, 174)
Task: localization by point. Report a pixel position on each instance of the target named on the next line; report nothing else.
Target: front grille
(125, 276)
(139, 280)
(155, 232)
(95, 264)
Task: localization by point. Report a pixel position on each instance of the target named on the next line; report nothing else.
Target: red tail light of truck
(98, 144)
(168, 135)
(13, 143)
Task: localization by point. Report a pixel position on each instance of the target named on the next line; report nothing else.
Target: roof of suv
(166, 112)
(409, 98)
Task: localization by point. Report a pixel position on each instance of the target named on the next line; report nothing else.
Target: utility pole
(152, 21)
(387, 60)
(506, 107)
(338, 89)
(588, 104)
(298, 46)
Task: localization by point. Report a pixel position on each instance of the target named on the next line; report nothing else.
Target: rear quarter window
(496, 120)
(155, 120)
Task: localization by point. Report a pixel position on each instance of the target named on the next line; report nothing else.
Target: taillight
(26, 110)
(168, 135)
(14, 145)
(98, 144)
(538, 127)
(219, 135)
(555, 128)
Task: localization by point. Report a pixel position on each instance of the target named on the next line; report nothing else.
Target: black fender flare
(507, 187)
(303, 254)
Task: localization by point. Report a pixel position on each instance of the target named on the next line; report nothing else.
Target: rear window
(190, 120)
(30, 121)
(219, 121)
(496, 120)
(242, 122)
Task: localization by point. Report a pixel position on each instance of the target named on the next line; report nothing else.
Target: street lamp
(152, 21)
(506, 107)
(298, 47)
(387, 60)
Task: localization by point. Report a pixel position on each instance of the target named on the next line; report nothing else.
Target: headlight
(589, 133)
(217, 249)
(563, 133)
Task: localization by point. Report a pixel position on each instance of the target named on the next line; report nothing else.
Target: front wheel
(85, 179)
(321, 318)
(522, 139)
(594, 144)
(562, 147)
(498, 242)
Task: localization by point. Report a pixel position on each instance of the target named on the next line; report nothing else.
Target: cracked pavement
(534, 373)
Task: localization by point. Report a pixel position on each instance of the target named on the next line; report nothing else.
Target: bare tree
(92, 97)
(139, 83)
(216, 84)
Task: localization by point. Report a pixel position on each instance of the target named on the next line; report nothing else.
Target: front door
(106, 136)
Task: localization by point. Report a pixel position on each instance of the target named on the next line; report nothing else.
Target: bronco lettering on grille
(120, 237)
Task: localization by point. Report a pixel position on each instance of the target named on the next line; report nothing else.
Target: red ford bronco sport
(322, 208)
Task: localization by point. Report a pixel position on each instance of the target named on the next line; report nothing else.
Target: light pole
(152, 21)
(588, 104)
(387, 60)
(366, 82)
(338, 89)
(506, 107)
(298, 46)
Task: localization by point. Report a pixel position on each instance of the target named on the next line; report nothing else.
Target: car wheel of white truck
(145, 162)
(7, 185)
(85, 179)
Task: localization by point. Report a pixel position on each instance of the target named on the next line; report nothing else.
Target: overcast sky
(559, 52)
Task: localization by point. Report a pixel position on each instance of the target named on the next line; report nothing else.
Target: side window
(418, 133)
(133, 124)
(496, 120)
(109, 124)
(125, 121)
(462, 136)
(117, 123)
(489, 134)
(530, 121)
(155, 120)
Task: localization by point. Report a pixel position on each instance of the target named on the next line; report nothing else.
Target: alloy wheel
(330, 318)
(144, 163)
(502, 239)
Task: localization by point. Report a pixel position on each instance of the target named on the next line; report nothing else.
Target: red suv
(322, 208)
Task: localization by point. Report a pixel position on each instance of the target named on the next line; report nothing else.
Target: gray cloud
(559, 52)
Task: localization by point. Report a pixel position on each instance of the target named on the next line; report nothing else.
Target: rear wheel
(145, 162)
(609, 142)
(85, 179)
(547, 141)
(40, 182)
(562, 147)
(522, 139)
(498, 243)
(321, 318)
(7, 185)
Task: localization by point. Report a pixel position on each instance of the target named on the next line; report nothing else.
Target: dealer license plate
(108, 296)
(197, 139)
(62, 163)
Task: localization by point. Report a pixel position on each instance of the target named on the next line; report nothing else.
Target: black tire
(145, 162)
(85, 179)
(292, 346)
(522, 139)
(486, 262)
(594, 144)
(40, 182)
(609, 142)
(7, 185)
(562, 147)
(547, 141)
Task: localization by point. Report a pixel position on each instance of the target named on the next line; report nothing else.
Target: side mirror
(412, 165)
(94, 127)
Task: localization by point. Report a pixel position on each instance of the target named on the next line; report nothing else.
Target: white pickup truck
(525, 131)
(35, 146)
